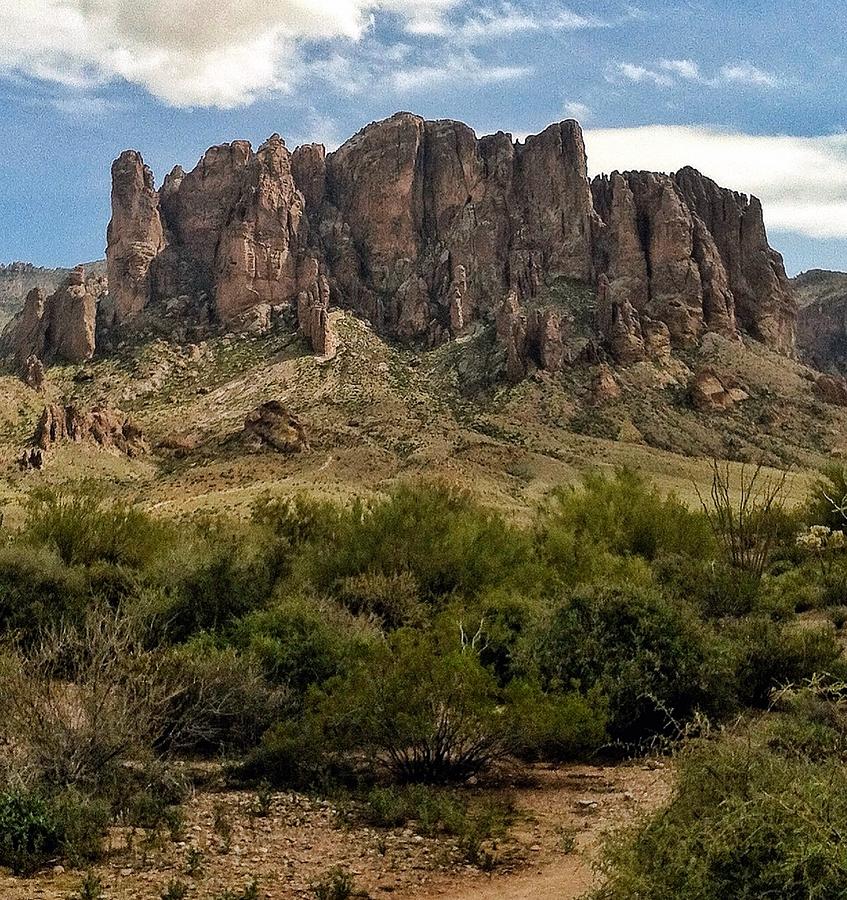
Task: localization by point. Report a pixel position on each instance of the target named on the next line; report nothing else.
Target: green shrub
(765, 655)
(648, 655)
(714, 587)
(37, 591)
(554, 726)
(744, 822)
(622, 514)
(34, 827)
(84, 526)
(827, 498)
(220, 701)
(393, 600)
(301, 642)
(29, 833)
(220, 571)
(426, 713)
(436, 533)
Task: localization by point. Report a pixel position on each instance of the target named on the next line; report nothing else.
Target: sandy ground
(563, 814)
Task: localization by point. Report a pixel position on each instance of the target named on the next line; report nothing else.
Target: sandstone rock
(313, 311)
(61, 326)
(135, 235)
(605, 386)
(420, 227)
(831, 389)
(763, 300)
(31, 459)
(618, 325)
(102, 425)
(511, 333)
(712, 393)
(272, 425)
(33, 373)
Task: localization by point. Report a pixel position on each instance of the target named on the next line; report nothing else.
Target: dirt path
(566, 814)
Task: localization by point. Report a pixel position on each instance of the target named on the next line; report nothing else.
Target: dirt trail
(565, 815)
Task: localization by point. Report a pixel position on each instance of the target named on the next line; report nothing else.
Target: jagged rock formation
(33, 373)
(822, 318)
(272, 425)
(58, 327)
(423, 228)
(104, 426)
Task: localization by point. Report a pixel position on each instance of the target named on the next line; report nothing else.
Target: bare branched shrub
(745, 515)
(87, 699)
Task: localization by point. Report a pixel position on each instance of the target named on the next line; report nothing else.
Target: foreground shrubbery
(758, 814)
(417, 639)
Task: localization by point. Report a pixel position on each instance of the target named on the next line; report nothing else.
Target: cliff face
(822, 318)
(56, 327)
(423, 228)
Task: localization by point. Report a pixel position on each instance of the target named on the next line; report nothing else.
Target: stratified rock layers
(423, 228)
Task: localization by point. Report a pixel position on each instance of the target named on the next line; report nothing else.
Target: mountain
(17, 279)
(424, 229)
(420, 301)
(822, 318)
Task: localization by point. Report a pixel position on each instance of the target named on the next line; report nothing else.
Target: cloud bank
(227, 53)
(802, 181)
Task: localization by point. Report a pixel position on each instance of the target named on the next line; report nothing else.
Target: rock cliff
(58, 327)
(424, 229)
(822, 318)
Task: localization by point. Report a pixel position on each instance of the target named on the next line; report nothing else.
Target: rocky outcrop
(104, 426)
(58, 327)
(711, 392)
(32, 373)
(831, 389)
(272, 425)
(422, 228)
(135, 236)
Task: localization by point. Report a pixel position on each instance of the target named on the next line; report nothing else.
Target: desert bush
(37, 591)
(220, 701)
(436, 533)
(301, 641)
(648, 655)
(716, 588)
(554, 726)
(764, 655)
(35, 827)
(418, 712)
(219, 572)
(393, 600)
(622, 514)
(427, 714)
(827, 500)
(85, 526)
(744, 822)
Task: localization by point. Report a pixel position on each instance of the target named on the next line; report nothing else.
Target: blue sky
(753, 93)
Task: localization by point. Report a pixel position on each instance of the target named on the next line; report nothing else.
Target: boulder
(710, 392)
(831, 389)
(272, 425)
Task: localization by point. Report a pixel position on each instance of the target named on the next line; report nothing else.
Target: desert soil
(562, 816)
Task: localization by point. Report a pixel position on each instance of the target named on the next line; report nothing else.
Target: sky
(751, 92)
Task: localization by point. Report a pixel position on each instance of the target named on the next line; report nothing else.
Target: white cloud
(185, 52)
(801, 181)
(460, 67)
(684, 68)
(638, 74)
(669, 72)
(508, 19)
(747, 73)
(579, 111)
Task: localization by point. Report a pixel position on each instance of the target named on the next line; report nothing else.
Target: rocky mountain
(17, 279)
(426, 231)
(822, 318)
